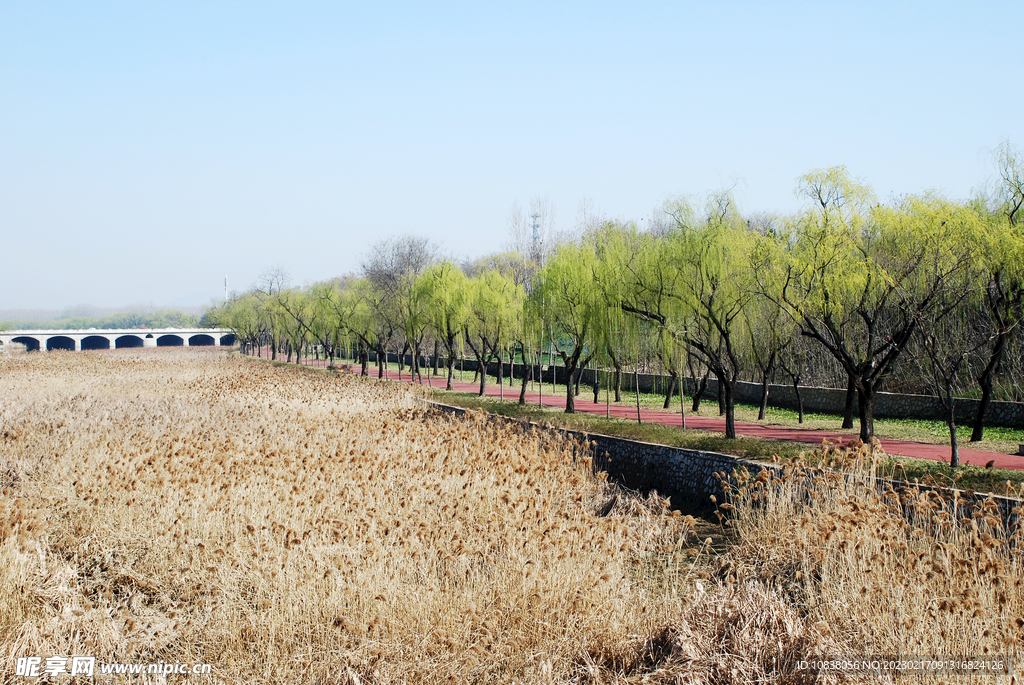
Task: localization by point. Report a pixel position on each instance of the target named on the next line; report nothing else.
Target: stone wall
(685, 476)
(816, 400)
(688, 476)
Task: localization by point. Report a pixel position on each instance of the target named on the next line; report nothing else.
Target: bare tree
(391, 269)
(272, 280)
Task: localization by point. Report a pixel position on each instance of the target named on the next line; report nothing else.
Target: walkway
(917, 450)
(935, 453)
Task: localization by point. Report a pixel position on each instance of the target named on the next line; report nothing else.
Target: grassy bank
(998, 439)
(966, 476)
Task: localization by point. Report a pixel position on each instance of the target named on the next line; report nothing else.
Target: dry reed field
(287, 526)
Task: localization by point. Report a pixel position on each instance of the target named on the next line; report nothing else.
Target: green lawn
(997, 439)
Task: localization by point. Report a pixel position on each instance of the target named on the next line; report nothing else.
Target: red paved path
(918, 450)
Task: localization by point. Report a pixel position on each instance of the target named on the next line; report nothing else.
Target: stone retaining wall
(688, 476)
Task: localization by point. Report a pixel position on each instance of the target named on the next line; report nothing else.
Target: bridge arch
(227, 340)
(96, 342)
(60, 342)
(201, 340)
(170, 340)
(128, 341)
(31, 344)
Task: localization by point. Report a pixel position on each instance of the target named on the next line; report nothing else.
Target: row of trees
(406, 300)
(920, 285)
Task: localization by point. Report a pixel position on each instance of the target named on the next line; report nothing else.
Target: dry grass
(287, 526)
(882, 572)
(292, 526)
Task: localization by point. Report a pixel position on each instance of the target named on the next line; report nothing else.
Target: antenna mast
(536, 236)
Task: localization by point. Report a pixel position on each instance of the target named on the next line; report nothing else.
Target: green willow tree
(495, 305)
(1004, 281)
(567, 300)
(241, 314)
(349, 303)
(946, 342)
(445, 292)
(617, 248)
(296, 319)
(696, 280)
(858, 279)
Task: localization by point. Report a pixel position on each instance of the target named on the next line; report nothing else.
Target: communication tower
(537, 241)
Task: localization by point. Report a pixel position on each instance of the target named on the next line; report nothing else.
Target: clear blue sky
(147, 150)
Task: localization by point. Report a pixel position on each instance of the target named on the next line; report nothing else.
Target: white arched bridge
(109, 338)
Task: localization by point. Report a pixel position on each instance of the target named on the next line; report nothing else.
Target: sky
(148, 150)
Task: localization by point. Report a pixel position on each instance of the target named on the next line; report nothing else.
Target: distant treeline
(163, 318)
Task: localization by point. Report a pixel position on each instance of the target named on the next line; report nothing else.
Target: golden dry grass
(291, 526)
(883, 572)
(288, 526)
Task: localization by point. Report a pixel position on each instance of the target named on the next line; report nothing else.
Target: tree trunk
(435, 358)
(725, 390)
(482, 369)
(501, 371)
(866, 402)
(570, 390)
(540, 377)
(671, 389)
(618, 384)
(954, 447)
(851, 391)
(986, 381)
(698, 392)
(451, 370)
(721, 396)
(769, 371)
(764, 399)
(682, 402)
(527, 377)
(364, 362)
(636, 383)
(799, 400)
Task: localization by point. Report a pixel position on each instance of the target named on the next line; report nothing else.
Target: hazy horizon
(90, 311)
